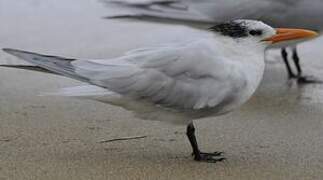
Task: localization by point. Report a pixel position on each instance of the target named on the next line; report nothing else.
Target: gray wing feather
(193, 11)
(28, 67)
(165, 76)
(162, 11)
(55, 64)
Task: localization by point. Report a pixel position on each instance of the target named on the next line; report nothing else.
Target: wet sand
(278, 134)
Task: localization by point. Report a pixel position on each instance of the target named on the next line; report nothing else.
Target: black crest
(232, 29)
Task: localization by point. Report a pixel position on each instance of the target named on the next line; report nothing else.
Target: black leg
(198, 155)
(296, 61)
(190, 132)
(285, 58)
(300, 77)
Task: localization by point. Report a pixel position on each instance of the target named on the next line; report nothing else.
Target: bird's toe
(308, 80)
(210, 157)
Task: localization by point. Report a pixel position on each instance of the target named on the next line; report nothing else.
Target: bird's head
(258, 33)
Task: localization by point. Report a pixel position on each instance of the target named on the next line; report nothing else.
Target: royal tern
(292, 13)
(201, 77)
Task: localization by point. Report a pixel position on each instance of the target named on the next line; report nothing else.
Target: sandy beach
(278, 134)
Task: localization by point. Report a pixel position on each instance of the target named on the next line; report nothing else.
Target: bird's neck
(249, 57)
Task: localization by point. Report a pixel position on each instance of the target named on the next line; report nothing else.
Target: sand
(278, 134)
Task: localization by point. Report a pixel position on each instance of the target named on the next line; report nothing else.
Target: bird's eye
(255, 32)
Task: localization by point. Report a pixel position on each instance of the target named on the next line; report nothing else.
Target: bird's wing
(185, 77)
(44, 63)
(188, 77)
(169, 11)
(200, 11)
(23, 65)
(28, 67)
(79, 91)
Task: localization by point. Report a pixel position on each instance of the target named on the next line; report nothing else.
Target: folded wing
(182, 77)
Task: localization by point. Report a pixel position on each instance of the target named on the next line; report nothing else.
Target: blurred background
(277, 135)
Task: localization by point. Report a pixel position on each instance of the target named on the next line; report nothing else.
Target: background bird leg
(296, 61)
(300, 77)
(285, 58)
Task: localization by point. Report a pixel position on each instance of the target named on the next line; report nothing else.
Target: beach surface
(278, 134)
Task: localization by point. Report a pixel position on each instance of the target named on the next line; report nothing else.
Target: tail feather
(53, 64)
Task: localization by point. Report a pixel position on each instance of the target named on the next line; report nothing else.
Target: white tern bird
(201, 77)
(292, 13)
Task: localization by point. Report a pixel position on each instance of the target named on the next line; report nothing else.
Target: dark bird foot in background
(298, 75)
(307, 80)
(209, 157)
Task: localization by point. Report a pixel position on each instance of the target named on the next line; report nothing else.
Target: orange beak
(284, 34)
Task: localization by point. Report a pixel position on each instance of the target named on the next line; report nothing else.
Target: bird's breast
(245, 84)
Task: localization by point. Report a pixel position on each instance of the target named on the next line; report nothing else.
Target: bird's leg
(285, 58)
(198, 155)
(296, 61)
(300, 77)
